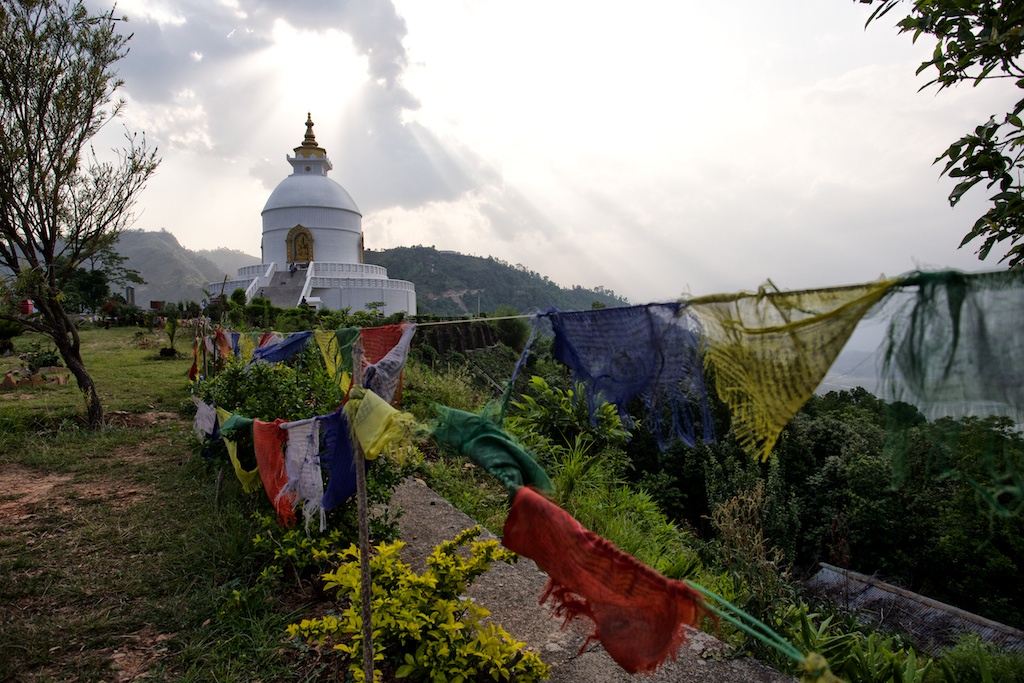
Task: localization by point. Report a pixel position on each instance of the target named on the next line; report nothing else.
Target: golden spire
(310, 139)
(309, 149)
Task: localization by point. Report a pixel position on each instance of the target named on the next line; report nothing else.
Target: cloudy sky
(655, 148)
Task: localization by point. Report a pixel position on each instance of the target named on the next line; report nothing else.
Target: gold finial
(310, 139)
(309, 149)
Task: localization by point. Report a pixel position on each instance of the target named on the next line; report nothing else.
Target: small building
(312, 246)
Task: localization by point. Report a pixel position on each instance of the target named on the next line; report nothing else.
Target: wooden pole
(365, 595)
(206, 363)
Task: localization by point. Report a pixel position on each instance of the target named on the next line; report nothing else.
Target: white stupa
(312, 246)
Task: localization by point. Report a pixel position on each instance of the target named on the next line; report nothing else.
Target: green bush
(452, 387)
(262, 314)
(274, 390)
(512, 332)
(758, 569)
(295, 319)
(852, 654)
(424, 628)
(587, 467)
(973, 661)
(38, 357)
(562, 414)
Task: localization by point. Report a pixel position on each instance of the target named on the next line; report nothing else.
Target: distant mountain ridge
(447, 283)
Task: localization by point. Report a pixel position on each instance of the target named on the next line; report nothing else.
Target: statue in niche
(303, 248)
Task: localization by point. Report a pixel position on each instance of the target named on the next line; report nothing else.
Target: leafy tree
(512, 331)
(60, 205)
(86, 290)
(88, 286)
(978, 40)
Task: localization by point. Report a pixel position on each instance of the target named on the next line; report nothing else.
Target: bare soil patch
(121, 418)
(132, 661)
(117, 498)
(6, 396)
(22, 489)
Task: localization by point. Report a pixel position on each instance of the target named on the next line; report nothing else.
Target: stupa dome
(306, 189)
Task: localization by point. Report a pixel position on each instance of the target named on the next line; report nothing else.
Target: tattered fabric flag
(283, 350)
(206, 418)
(193, 371)
(639, 615)
(374, 422)
(302, 463)
(237, 434)
(383, 377)
(268, 338)
(648, 352)
(769, 351)
(336, 349)
(490, 448)
(955, 347)
(377, 341)
(270, 441)
(338, 456)
(247, 343)
(223, 342)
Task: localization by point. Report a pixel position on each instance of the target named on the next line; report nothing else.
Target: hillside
(171, 272)
(228, 261)
(447, 283)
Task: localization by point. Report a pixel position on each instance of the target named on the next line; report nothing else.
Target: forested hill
(449, 283)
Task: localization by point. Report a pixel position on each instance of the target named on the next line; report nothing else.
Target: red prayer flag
(269, 440)
(639, 615)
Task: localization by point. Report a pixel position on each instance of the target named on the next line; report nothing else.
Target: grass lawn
(117, 554)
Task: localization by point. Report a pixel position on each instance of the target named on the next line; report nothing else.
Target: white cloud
(655, 150)
(180, 124)
(149, 10)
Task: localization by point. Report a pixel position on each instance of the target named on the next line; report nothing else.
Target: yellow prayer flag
(768, 351)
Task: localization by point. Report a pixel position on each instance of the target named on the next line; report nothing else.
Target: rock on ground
(511, 593)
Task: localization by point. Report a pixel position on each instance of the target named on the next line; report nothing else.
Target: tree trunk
(66, 338)
(94, 410)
